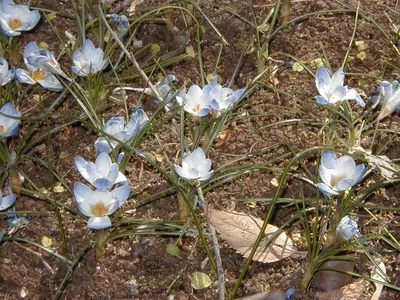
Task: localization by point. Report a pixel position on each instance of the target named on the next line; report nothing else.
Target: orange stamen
(15, 23)
(197, 107)
(38, 75)
(99, 210)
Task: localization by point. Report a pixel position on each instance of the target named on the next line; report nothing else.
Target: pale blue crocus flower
(16, 18)
(100, 203)
(223, 98)
(122, 23)
(102, 174)
(47, 61)
(338, 174)
(124, 133)
(346, 229)
(195, 166)
(196, 101)
(332, 90)
(89, 61)
(36, 74)
(6, 75)
(7, 200)
(9, 119)
(388, 95)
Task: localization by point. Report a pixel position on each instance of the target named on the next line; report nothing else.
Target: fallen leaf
(200, 280)
(353, 291)
(173, 249)
(380, 275)
(240, 231)
(47, 242)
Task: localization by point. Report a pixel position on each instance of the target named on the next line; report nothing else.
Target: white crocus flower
(6, 75)
(195, 166)
(7, 200)
(16, 18)
(223, 98)
(196, 101)
(9, 119)
(125, 133)
(88, 61)
(99, 204)
(338, 174)
(346, 229)
(388, 95)
(36, 74)
(332, 90)
(102, 174)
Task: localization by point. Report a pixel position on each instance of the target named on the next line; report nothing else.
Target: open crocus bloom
(88, 61)
(7, 200)
(9, 119)
(346, 229)
(46, 61)
(125, 133)
(5, 74)
(16, 18)
(331, 90)
(36, 74)
(223, 98)
(195, 166)
(102, 174)
(338, 174)
(99, 204)
(196, 101)
(388, 95)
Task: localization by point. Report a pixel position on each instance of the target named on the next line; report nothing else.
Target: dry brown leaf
(240, 231)
(353, 291)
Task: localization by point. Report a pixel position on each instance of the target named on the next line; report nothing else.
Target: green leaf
(173, 250)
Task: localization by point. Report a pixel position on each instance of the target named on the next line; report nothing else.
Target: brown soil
(139, 267)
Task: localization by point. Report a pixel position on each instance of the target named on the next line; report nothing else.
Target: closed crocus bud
(7, 200)
(388, 95)
(332, 90)
(346, 229)
(9, 119)
(195, 166)
(16, 18)
(89, 60)
(338, 174)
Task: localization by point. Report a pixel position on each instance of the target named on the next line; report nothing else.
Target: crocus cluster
(100, 203)
(199, 101)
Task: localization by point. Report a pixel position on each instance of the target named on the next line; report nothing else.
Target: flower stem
(100, 239)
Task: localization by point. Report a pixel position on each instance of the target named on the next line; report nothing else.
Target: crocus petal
(207, 176)
(181, 98)
(353, 95)
(7, 201)
(102, 183)
(344, 184)
(81, 165)
(180, 171)
(24, 77)
(102, 145)
(329, 159)
(99, 222)
(51, 83)
(121, 194)
(337, 78)
(322, 81)
(360, 170)
(321, 100)
(325, 189)
(81, 192)
(201, 112)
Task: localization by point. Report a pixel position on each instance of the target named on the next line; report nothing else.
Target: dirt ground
(139, 267)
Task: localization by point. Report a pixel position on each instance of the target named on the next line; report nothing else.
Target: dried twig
(47, 266)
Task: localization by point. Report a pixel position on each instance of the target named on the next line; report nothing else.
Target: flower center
(99, 210)
(15, 23)
(335, 180)
(38, 75)
(197, 107)
(1, 128)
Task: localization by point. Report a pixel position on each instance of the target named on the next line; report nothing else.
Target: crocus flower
(332, 91)
(388, 95)
(100, 203)
(125, 133)
(88, 61)
(7, 200)
(223, 98)
(196, 101)
(122, 24)
(346, 229)
(36, 74)
(102, 174)
(9, 119)
(338, 174)
(195, 166)
(5, 74)
(15, 18)
(46, 61)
